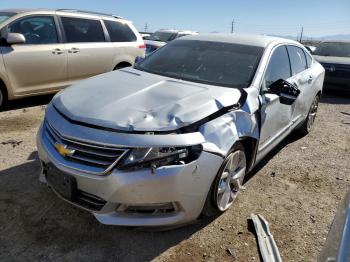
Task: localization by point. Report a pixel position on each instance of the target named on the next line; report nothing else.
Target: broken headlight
(159, 156)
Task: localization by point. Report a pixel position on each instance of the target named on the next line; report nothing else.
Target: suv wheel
(228, 182)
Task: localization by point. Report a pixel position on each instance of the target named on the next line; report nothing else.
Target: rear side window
(279, 66)
(80, 30)
(297, 59)
(308, 59)
(119, 32)
(36, 29)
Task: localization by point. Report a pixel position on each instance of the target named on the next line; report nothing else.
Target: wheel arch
(3, 88)
(250, 145)
(122, 65)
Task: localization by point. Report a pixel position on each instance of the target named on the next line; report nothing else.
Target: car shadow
(27, 102)
(37, 225)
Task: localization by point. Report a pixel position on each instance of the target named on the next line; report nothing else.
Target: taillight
(142, 46)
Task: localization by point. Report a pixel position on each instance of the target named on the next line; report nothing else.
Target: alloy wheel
(231, 180)
(312, 114)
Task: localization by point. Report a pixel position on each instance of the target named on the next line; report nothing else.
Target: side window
(278, 68)
(79, 30)
(297, 59)
(308, 59)
(119, 32)
(36, 29)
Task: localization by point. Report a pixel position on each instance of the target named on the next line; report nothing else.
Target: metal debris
(267, 245)
(231, 252)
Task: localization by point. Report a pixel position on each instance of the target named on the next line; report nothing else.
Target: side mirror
(139, 59)
(15, 38)
(286, 91)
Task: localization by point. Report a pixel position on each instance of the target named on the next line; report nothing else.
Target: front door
(275, 117)
(40, 64)
(89, 53)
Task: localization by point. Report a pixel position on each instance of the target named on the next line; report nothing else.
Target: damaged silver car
(173, 138)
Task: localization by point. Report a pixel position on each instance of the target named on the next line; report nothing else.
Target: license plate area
(64, 184)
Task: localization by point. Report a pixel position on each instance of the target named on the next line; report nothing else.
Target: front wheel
(228, 182)
(310, 119)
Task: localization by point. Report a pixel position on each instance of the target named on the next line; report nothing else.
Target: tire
(306, 127)
(2, 98)
(223, 192)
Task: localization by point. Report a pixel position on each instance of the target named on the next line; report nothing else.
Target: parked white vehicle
(43, 51)
(174, 137)
(162, 37)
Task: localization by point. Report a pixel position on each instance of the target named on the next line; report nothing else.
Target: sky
(278, 17)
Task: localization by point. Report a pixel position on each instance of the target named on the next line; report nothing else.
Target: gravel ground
(297, 189)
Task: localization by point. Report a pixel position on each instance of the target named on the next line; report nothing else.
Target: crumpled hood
(133, 100)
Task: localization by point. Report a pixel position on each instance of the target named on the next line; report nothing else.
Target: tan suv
(43, 51)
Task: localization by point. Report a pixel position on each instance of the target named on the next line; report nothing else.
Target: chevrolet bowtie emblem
(63, 150)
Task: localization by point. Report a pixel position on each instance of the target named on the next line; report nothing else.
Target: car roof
(245, 39)
(71, 11)
(15, 10)
(177, 31)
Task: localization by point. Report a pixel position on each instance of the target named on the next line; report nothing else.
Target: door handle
(73, 50)
(57, 51)
(310, 79)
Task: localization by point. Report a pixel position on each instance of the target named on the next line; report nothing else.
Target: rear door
(40, 64)
(89, 53)
(303, 79)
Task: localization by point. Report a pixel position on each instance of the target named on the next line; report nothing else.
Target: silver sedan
(173, 138)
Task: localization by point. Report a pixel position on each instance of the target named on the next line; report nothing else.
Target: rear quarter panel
(128, 51)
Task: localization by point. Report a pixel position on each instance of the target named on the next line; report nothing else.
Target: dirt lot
(311, 175)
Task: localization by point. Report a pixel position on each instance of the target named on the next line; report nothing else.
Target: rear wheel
(2, 97)
(228, 182)
(310, 119)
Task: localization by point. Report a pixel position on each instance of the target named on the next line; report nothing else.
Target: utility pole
(146, 27)
(301, 34)
(232, 24)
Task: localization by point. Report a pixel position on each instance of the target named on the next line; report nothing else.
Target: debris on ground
(231, 252)
(267, 245)
(12, 142)
(273, 174)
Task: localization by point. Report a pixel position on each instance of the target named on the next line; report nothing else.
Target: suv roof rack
(87, 12)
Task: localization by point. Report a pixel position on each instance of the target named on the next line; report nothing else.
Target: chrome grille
(99, 157)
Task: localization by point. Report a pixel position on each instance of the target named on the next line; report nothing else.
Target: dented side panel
(222, 133)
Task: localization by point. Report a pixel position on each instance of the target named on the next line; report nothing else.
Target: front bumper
(185, 187)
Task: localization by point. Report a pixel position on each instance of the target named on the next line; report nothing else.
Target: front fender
(223, 132)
